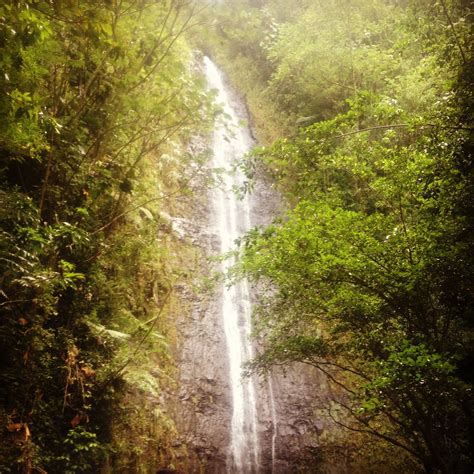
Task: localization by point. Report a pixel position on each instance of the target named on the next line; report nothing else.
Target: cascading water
(232, 219)
(274, 421)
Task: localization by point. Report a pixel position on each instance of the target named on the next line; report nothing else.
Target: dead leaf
(20, 433)
(87, 371)
(76, 420)
(12, 427)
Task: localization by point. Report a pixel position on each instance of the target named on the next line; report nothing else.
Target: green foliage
(368, 276)
(298, 62)
(83, 449)
(98, 100)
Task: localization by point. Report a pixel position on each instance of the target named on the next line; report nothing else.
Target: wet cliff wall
(290, 435)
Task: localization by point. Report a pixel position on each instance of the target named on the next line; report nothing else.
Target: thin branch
(84, 93)
(340, 367)
(330, 377)
(458, 42)
(148, 201)
(9, 302)
(405, 230)
(45, 183)
(160, 40)
(172, 129)
(185, 27)
(372, 432)
(398, 125)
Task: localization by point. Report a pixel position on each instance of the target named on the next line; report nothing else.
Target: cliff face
(290, 435)
(298, 435)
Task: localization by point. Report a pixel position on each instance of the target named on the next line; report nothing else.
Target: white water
(232, 219)
(274, 421)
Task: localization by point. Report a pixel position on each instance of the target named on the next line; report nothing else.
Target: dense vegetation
(366, 108)
(98, 101)
(369, 276)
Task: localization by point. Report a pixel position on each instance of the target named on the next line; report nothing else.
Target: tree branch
(398, 125)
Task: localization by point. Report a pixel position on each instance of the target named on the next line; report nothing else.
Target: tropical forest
(236, 236)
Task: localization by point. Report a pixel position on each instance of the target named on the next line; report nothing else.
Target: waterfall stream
(274, 421)
(232, 219)
(226, 423)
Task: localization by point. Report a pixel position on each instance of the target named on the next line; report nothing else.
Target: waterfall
(232, 219)
(274, 421)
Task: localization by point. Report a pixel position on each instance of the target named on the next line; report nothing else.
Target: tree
(97, 101)
(367, 277)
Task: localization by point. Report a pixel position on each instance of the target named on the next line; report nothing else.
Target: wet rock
(289, 431)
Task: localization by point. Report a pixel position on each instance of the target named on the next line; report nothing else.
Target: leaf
(14, 427)
(76, 420)
(146, 212)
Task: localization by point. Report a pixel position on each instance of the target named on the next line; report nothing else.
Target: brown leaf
(12, 427)
(76, 420)
(27, 432)
(87, 371)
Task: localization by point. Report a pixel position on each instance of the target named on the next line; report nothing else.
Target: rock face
(202, 408)
(293, 435)
(289, 433)
(204, 398)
